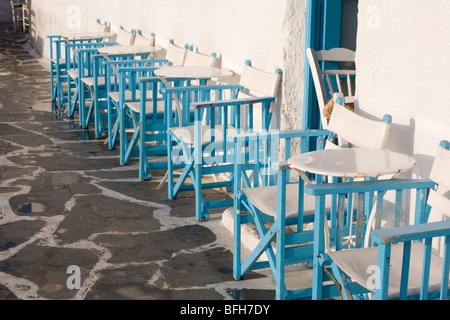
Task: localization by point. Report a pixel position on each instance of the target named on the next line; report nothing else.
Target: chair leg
(237, 238)
(281, 292)
(170, 166)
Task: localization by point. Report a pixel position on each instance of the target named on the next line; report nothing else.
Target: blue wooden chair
(154, 118)
(93, 85)
(125, 90)
(59, 65)
(402, 262)
(73, 52)
(146, 114)
(276, 200)
(204, 146)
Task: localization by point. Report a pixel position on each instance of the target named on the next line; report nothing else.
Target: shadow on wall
(36, 41)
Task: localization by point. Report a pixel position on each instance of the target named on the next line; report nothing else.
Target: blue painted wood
(323, 31)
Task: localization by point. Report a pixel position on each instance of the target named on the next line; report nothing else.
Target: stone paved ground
(65, 200)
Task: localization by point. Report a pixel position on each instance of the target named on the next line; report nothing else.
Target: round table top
(352, 162)
(192, 72)
(129, 49)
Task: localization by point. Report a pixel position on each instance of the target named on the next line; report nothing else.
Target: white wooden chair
(20, 13)
(329, 76)
(208, 153)
(150, 127)
(152, 117)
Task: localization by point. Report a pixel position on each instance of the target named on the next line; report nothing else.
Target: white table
(352, 162)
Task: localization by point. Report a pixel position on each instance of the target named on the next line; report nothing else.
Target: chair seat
(73, 74)
(186, 134)
(89, 81)
(62, 62)
(136, 106)
(356, 263)
(265, 200)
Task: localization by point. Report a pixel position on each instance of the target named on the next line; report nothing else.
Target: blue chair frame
(127, 72)
(73, 53)
(213, 155)
(262, 159)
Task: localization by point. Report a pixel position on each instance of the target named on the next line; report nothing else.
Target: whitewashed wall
(403, 67)
(268, 32)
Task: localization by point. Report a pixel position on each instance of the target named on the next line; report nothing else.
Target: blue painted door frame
(323, 31)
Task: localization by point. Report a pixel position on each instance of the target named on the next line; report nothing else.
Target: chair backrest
(326, 65)
(176, 54)
(357, 130)
(140, 40)
(125, 38)
(259, 83)
(101, 27)
(200, 59)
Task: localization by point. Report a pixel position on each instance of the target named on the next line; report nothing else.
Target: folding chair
(153, 117)
(146, 115)
(93, 85)
(62, 58)
(204, 146)
(73, 51)
(282, 203)
(401, 262)
(332, 71)
(126, 91)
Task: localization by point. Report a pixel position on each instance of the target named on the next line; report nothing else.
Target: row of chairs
(206, 128)
(133, 109)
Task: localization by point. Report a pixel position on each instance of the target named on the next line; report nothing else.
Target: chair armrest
(157, 79)
(148, 79)
(126, 62)
(368, 186)
(199, 88)
(135, 69)
(411, 233)
(231, 102)
(274, 134)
